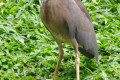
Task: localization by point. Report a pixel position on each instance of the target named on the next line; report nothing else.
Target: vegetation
(28, 51)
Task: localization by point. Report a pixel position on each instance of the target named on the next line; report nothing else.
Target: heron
(69, 22)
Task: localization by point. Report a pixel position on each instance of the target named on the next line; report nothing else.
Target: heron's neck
(53, 1)
(43, 2)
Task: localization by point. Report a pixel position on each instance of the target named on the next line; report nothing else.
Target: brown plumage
(69, 21)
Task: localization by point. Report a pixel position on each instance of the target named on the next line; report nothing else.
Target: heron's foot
(49, 79)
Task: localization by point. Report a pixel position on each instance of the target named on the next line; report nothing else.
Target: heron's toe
(49, 79)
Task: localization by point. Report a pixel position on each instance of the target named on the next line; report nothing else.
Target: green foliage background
(28, 52)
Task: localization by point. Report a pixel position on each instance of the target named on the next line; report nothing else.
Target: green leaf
(48, 64)
(12, 9)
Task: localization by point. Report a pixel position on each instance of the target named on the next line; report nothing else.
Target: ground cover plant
(28, 51)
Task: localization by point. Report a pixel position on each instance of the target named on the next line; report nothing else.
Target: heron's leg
(77, 60)
(59, 59)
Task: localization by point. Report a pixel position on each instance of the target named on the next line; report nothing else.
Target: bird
(69, 22)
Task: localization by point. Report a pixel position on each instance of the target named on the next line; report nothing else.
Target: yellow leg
(59, 61)
(77, 60)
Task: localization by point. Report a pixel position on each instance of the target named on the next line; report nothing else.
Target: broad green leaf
(12, 9)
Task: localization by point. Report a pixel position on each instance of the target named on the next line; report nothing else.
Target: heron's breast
(60, 33)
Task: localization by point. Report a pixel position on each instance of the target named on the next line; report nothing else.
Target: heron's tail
(87, 53)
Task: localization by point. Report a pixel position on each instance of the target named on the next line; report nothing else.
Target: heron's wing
(83, 8)
(81, 27)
